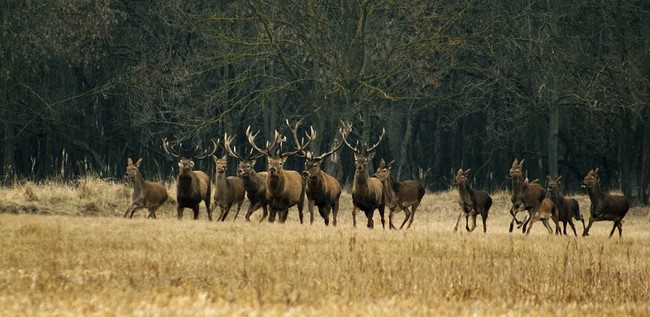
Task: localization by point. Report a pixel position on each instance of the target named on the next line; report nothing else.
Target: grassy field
(67, 251)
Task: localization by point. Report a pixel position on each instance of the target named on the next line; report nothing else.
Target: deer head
(276, 161)
(132, 168)
(516, 169)
(313, 162)
(553, 185)
(361, 155)
(186, 164)
(383, 171)
(246, 163)
(461, 177)
(591, 180)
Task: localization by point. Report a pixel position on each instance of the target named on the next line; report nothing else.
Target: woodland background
(474, 84)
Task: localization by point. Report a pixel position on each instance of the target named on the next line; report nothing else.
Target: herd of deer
(276, 189)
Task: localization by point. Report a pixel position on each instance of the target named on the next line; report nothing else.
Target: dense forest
(473, 84)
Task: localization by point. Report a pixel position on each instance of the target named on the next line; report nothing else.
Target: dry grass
(68, 265)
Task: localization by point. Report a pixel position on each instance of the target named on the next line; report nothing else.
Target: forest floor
(66, 250)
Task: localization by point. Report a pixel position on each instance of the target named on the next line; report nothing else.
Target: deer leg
(284, 214)
(179, 211)
(237, 212)
(335, 211)
(381, 216)
(222, 214)
(548, 226)
(325, 213)
(484, 216)
(265, 212)
(310, 206)
(300, 205)
(473, 224)
(530, 223)
(585, 233)
(371, 222)
(619, 225)
(354, 216)
(131, 208)
(460, 215)
(196, 212)
(575, 233)
(413, 209)
(251, 208)
(152, 212)
(390, 218)
(407, 212)
(272, 213)
(207, 207)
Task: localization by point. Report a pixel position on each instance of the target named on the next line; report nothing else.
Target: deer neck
(517, 186)
(389, 186)
(187, 182)
(138, 184)
(464, 193)
(275, 183)
(360, 181)
(595, 195)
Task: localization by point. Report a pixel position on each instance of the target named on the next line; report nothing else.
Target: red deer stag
(322, 189)
(146, 194)
(367, 192)
(254, 182)
(192, 186)
(472, 202)
(604, 206)
(543, 209)
(568, 208)
(284, 188)
(229, 190)
(534, 196)
(399, 195)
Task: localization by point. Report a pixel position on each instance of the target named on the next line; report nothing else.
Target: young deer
(568, 208)
(284, 188)
(229, 190)
(543, 209)
(254, 182)
(192, 186)
(322, 189)
(367, 192)
(399, 195)
(472, 202)
(604, 206)
(146, 194)
(534, 195)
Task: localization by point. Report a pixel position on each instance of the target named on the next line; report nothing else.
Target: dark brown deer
(192, 186)
(229, 190)
(604, 206)
(323, 190)
(568, 208)
(472, 202)
(399, 196)
(284, 188)
(254, 182)
(534, 196)
(529, 199)
(146, 194)
(367, 192)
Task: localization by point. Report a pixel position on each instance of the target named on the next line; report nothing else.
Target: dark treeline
(472, 84)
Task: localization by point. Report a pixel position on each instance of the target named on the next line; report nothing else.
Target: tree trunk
(553, 128)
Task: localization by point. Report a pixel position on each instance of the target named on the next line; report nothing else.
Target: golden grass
(63, 264)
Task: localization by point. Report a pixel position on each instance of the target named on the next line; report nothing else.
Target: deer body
(399, 195)
(530, 199)
(472, 202)
(545, 211)
(604, 206)
(145, 194)
(323, 191)
(229, 190)
(568, 208)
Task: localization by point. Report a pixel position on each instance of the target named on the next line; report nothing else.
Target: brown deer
(229, 190)
(534, 195)
(146, 194)
(568, 208)
(192, 186)
(604, 206)
(545, 211)
(529, 199)
(399, 195)
(322, 189)
(254, 182)
(472, 202)
(284, 188)
(367, 192)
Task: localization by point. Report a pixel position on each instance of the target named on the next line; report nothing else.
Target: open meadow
(66, 250)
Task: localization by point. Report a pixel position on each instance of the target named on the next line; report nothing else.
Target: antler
(207, 152)
(381, 136)
(299, 145)
(170, 149)
(232, 150)
(335, 147)
(345, 130)
(251, 140)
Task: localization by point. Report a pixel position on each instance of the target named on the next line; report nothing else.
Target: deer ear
(515, 163)
(382, 163)
(137, 164)
(548, 179)
(371, 155)
(596, 171)
(390, 165)
(129, 161)
(253, 162)
(467, 171)
(526, 181)
(559, 178)
(460, 171)
(522, 162)
(215, 158)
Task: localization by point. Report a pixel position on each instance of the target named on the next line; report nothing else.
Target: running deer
(534, 196)
(146, 194)
(192, 186)
(254, 182)
(604, 206)
(399, 195)
(323, 190)
(229, 190)
(544, 209)
(284, 188)
(472, 202)
(568, 208)
(367, 192)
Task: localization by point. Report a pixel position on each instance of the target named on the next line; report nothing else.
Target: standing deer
(472, 202)
(531, 199)
(367, 192)
(284, 188)
(229, 190)
(192, 187)
(568, 208)
(322, 189)
(604, 206)
(254, 182)
(146, 194)
(399, 195)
